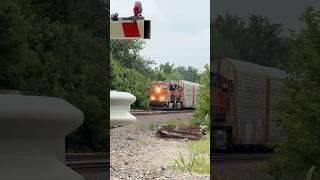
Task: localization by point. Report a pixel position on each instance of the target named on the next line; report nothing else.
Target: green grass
(198, 158)
(139, 125)
(194, 162)
(176, 122)
(152, 127)
(202, 146)
(142, 141)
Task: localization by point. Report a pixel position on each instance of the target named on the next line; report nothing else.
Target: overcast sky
(285, 11)
(180, 30)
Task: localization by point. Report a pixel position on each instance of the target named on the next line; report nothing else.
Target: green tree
(130, 80)
(42, 53)
(167, 68)
(174, 76)
(222, 48)
(189, 74)
(299, 148)
(202, 113)
(127, 53)
(255, 39)
(158, 75)
(130, 72)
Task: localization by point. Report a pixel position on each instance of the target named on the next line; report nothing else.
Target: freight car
(245, 104)
(177, 94)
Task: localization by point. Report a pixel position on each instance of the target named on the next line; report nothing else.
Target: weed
(198, 158)
(176, 122)
(152, 127)
(202, 146)
(142, 141)
(196, 121)
(140, 125)
(204, 121)
(193, 162)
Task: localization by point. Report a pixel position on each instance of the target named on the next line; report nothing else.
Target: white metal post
(32, 132)
(120, 108)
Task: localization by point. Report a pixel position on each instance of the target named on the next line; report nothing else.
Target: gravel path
(138, 154)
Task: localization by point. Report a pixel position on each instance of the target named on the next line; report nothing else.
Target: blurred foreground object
(32, 134)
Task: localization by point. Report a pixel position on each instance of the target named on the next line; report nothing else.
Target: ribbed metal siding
(277, 78)
(251, 103)
(276, 94)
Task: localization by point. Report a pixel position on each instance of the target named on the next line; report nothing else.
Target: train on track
(175, 94)
(245, 104)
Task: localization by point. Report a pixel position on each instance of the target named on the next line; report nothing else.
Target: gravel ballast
(137, 154)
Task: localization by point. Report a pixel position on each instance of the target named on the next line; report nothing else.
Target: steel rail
(149, 113)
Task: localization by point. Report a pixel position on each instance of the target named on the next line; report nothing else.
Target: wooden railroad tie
(182, 132)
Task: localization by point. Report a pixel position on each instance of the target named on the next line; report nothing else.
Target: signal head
(137, 8)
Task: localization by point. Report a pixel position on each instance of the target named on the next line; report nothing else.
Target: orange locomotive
(178, 94)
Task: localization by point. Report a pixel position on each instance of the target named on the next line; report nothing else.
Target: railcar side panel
(251, 96)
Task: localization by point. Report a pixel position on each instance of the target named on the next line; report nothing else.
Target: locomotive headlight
(153, 98)
(161, 98)
(158, 90)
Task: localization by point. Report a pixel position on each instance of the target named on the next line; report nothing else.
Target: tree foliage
(202, 113)
(48, 48)
(255, 39)
(299, 149)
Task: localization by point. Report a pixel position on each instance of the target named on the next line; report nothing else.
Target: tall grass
(194, 162)
(176, 122)
(197, 160)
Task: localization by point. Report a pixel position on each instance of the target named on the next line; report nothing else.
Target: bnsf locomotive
(245, 104)
(177, 94)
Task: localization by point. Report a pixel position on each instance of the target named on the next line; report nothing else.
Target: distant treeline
(254, 39)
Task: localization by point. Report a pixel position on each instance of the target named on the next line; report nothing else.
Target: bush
(202, 113)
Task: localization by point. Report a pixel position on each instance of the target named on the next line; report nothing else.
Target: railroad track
(158, 112)
(240, 157)
(87, 162)
(98, 162)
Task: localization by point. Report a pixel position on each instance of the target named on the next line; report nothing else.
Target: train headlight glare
(158, 90)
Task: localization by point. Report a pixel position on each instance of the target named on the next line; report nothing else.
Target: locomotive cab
(172, 95)
(163, 96)
(159, 95)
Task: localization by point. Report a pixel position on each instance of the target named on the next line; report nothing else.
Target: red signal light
(137, 8)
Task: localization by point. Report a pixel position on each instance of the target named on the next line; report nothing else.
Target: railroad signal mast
(133, 27)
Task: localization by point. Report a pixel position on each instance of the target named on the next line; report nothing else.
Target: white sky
(180, 30)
